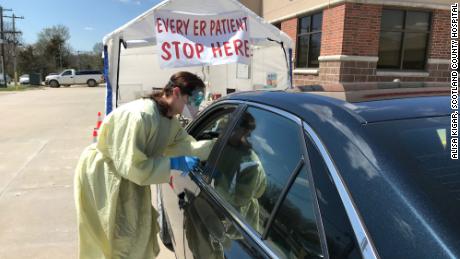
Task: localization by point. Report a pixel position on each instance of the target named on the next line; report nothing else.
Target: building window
(309, 40)
(403, 39)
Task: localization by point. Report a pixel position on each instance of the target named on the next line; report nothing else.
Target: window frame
(402, 45)
(367, 247)
(309, 34)
(210, 114)
(304, 162)
(240, 222)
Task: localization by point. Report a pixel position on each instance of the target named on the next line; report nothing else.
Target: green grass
(12, 88)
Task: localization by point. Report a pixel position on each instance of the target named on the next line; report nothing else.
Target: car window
(341, 241)
(256, 161)
(294, 232)
(212, 127)
(66, 73)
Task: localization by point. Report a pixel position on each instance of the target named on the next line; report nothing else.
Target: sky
(88, 20)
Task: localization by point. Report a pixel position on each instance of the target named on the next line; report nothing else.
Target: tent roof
(141, 29)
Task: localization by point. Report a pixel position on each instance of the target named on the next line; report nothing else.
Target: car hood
(51, 77)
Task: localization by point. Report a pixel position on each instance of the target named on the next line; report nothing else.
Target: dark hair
(248, 121)
(187, 83)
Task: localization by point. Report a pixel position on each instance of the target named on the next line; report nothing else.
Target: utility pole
(2, 39)
(15, 43)
(78, 58)
(60, 56)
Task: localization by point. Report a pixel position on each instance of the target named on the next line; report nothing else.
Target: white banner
(195, 40)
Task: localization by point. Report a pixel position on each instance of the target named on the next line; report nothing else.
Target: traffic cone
(99, 120)
(95, 135)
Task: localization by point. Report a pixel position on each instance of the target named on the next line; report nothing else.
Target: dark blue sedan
(294, 174)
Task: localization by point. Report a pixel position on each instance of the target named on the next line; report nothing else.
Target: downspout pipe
(290, 68)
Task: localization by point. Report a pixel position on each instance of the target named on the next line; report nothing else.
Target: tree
(98, 48)
(27, 60)
(52, 53)
(53, 47)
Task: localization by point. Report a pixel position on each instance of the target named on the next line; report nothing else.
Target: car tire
(54, 84)
(91, 83)
(164, 229)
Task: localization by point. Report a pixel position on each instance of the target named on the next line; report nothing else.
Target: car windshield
(420, 149)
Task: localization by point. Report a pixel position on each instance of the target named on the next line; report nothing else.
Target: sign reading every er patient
(193, 40)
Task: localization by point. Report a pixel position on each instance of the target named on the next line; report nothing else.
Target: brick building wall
(440, 40)
(332, 31)
(439, 46)
(350, 45)
(360, 29)
(290, 28)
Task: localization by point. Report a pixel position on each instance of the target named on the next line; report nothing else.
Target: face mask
(192, 110)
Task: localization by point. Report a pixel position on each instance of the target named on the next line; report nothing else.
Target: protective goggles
(196, 98)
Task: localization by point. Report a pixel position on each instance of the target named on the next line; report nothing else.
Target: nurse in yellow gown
(113, 176)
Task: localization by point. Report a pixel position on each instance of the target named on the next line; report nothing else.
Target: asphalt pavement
(42, 134)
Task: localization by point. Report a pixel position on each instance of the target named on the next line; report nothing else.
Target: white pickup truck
(73, 77)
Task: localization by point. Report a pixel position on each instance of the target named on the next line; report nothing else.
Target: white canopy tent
(131, 62)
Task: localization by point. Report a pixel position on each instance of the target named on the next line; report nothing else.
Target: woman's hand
(184, 163)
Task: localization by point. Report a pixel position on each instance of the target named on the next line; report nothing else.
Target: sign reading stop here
(194, 40)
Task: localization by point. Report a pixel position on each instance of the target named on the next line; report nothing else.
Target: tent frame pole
(288, 58)
(108, 87)
(120, 42)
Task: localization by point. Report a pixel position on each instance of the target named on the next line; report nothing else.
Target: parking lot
(43, 132)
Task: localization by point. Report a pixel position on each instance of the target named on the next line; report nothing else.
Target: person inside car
(241, 179)
(139, 143)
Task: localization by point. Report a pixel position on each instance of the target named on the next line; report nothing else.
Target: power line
(15, 43)
(2, 39)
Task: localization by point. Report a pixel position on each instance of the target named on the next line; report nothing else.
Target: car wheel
(54, 84)
(164, 230)
(91, 83)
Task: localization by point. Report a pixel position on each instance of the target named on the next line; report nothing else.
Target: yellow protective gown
(113, 177)
(241, 180)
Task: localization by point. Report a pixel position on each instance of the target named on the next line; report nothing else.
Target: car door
(180, 190)
(310, 210)
(233, 208)
(66, 78)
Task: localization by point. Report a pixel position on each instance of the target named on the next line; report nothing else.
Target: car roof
(366, 103)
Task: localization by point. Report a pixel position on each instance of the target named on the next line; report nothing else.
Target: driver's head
(243, 130)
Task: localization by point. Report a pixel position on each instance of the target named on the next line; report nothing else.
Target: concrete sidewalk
(42, 133)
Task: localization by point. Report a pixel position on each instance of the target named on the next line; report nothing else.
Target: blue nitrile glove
(184, 163)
